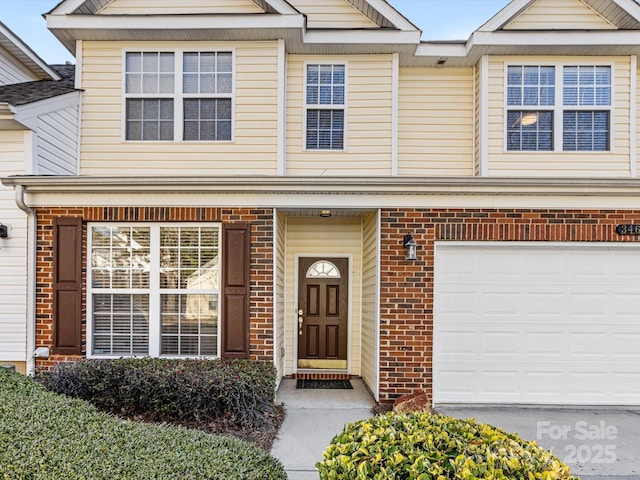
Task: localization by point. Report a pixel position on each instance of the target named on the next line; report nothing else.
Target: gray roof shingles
(29, 92)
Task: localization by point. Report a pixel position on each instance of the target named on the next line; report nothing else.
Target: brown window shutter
(67, 286)
(236, 280)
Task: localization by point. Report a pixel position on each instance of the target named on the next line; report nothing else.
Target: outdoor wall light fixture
(412, 247)
(325, 213)
(4, 231)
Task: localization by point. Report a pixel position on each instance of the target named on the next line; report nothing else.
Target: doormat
(325, 384)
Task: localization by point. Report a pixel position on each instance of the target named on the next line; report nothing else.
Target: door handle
(300, 322)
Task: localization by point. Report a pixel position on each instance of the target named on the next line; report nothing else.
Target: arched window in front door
(323, 269)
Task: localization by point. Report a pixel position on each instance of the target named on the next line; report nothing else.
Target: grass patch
(46, 436)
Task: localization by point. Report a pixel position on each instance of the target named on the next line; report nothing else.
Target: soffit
(615, 14)
(23, 53)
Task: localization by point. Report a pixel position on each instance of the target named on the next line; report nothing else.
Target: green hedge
(46, 436)
(424, 446)
(237, 392)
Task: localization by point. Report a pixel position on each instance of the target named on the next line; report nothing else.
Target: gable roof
(27, 57)
(379, 12)
(493, 38)
(91, 7)
(73, 20)
(613, 28)
(623, 14)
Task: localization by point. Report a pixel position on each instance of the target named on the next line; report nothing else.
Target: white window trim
(558, 108)
(325, 61)
(155, 339)
(178, 95)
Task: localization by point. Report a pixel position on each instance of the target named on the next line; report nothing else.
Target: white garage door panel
(541, 323)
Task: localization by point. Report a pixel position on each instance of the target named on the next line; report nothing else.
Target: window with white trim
(178, 95)
(325, 106)
(154, 289)
(550, 113)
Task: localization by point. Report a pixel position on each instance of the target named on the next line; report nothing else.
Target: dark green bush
(424, 446)
(237, 392)
(46, 436)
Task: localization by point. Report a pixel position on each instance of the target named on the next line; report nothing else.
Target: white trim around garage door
(536, 323)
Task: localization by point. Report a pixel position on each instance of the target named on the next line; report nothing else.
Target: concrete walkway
(313, 418)
(598, 444)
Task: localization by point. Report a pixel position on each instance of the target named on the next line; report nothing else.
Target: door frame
(293, 322)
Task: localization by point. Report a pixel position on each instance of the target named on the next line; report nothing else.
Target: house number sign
(628, 229)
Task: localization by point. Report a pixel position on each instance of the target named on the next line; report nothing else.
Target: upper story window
(179, 95)
(325, 107)
(558, 109)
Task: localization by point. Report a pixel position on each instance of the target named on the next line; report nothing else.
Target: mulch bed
(263, 437)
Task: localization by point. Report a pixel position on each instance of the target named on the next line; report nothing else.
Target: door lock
(300, 322)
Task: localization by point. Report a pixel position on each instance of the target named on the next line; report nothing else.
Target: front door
(322, 320)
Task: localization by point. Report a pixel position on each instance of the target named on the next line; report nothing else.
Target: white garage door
(537, 323)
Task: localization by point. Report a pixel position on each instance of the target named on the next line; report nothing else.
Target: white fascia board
(26, 113)
(283, 7)
(26, 55)
(448, 50)
(362, 37)
(173, 22)
(554, 38)
(505, 15)
(391, 14)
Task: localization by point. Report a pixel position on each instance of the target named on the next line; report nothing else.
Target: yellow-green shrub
(425, 446)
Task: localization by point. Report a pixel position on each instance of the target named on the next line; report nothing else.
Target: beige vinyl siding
(168, 7)
(370, 300)
(58, 142)
(314, 236)
(13, 251)
(615, 163)
(332, 14)
(436, 121)
(253, 151)
(280, 274)
(559, 15)
(368, 118)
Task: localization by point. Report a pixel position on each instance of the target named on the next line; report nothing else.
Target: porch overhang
(378, 186)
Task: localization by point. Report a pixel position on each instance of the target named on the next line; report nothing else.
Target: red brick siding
(261, 220)
(406, 336)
